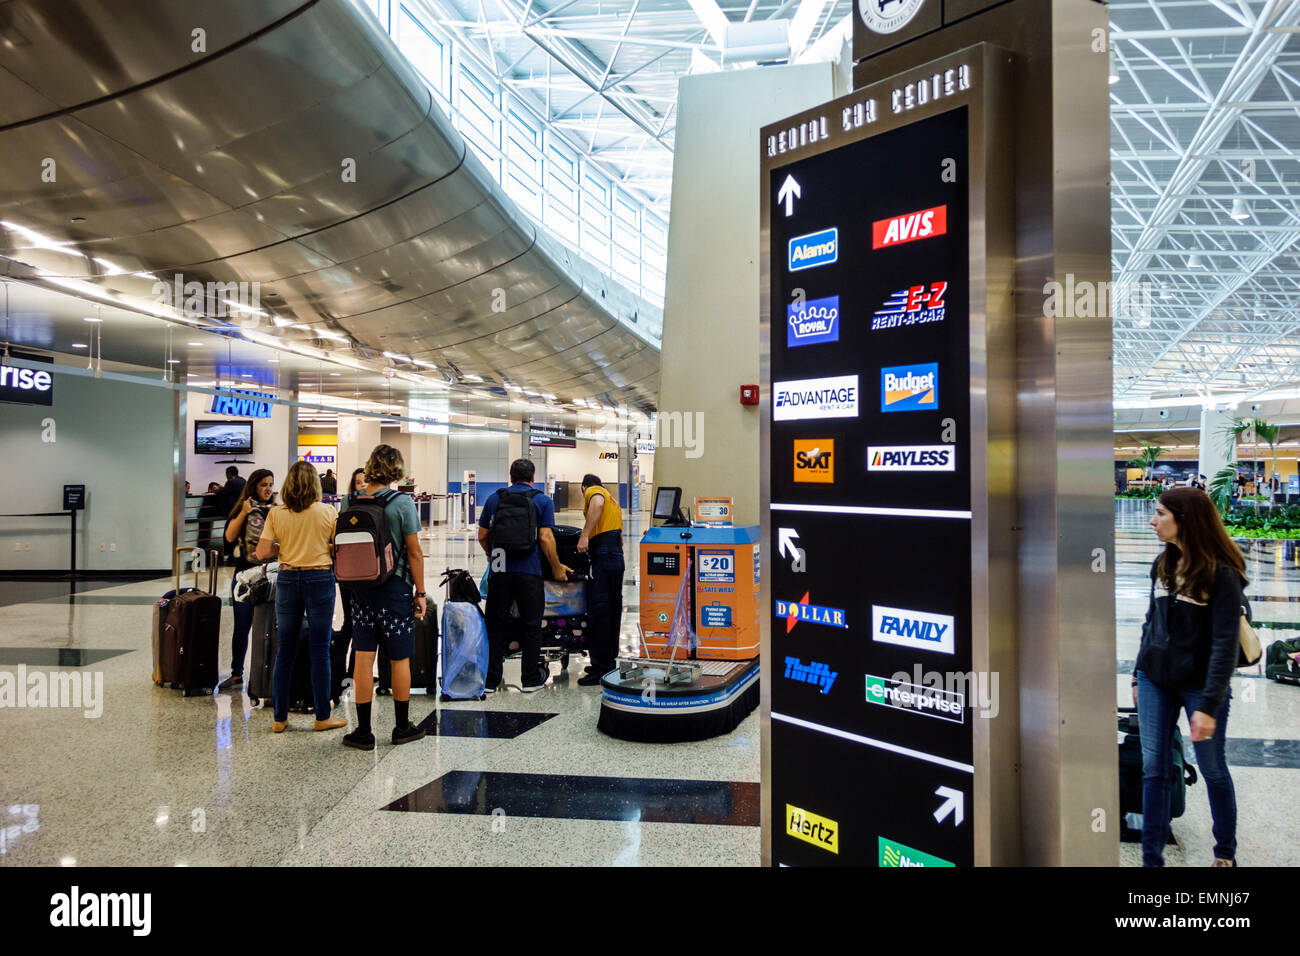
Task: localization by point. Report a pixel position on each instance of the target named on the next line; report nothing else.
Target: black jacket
(1189, 645)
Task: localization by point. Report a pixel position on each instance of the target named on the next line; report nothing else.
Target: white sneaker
(528, 690)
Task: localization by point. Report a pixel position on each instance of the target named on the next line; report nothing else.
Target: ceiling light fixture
(91, 319)
(1194, 262)
(79, 345)
(1239, 209)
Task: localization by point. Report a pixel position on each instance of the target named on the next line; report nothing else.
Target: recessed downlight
(91, 318)
(80, 345)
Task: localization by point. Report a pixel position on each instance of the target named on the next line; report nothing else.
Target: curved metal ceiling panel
(229, 167)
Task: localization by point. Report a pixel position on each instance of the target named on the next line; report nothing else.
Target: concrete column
(357, 438)
(429, 463)
(1216, 442)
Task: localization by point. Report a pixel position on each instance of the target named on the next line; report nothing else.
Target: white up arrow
(785, 541)
(787, 194)
(956, 800)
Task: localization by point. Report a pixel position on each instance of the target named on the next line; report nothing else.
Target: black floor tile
(59, 656)
(41, 590)
(560, 796)
(499, 724)
(1255, 752)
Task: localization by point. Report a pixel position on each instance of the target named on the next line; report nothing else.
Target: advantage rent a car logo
(916, 698)
(814, 249)
(813, 398)
(821, 832)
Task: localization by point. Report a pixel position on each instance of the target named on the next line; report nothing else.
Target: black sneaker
(532, 688)
(360, 739)
(231, 682)
(591, 680)
(404, 735)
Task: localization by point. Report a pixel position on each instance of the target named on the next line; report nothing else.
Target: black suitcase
(1181, 776)
(261, 637)
(189, 627)
(566, 549)
(424, 660)
(301, 699)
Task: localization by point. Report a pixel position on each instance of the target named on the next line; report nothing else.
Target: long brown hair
(250, 489)
(1205, 545)
(301, 487)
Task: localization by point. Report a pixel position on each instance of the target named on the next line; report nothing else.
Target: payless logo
(911, 458)
(814, 249)
(909, 227)
(814, 460)
(813, 322)
(916, 629)
(909, 388)
(801, 610)
(915, 305)
(819, 831)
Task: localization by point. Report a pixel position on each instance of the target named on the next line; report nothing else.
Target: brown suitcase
(189, 627)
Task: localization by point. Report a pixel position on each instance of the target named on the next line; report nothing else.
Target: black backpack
(514, 523)
(364, 556)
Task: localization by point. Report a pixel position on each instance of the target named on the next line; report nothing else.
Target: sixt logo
(809, 827)
(819, 675)
(909, 227)
(816, 398)
(915, 305)
(909, 388)
(917, 629)
(813, 322)
(911, 458)
(814, 461)
(814, 249)
(801, 610)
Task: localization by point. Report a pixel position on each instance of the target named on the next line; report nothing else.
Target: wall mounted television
(223, 438)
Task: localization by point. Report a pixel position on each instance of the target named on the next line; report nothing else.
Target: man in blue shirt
(514, 547)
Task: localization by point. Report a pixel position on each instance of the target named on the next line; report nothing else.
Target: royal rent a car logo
(909, 388)
(814, 249)
(819, 831)
(814, 461)
(911, 458)
(909, 227)
(799, 611)
(816, 398)
(813, 322)
(915, 305)
(917, 629)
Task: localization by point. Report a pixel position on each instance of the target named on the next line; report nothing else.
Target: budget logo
(911, 458)
(819, 675)
(909, 388)
(816, 398)
(894, 854)
(909, 227)
(916, 698)
(815, 249)
(813, 322)
(915, 305)
(819, 831)
(814, 461)
(801, 610)
(916, 629)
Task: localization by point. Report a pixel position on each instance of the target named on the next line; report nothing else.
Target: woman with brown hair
(303, 527)
(244, 527)
(1188, 652)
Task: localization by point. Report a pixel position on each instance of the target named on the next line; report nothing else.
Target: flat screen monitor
(667, 501)
(223, 438)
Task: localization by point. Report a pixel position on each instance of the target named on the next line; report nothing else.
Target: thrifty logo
(814, 249)
(801, 610)
(819, 831)
(909, 227)
(917, 629)
(817, 674)
(909, 388)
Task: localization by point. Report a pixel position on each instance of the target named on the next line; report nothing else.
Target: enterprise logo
(814, 249)
(819, 831)
(915, 305)
(909, 388)
(916, 698)
(801, 610)
(911, 458)
(917, 629)
(816, 398)
(813, 322)
(909, 227)
(819, 675)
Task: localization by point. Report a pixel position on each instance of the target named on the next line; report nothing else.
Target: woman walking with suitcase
(303, 528)
(245, 528)
(1189, 648)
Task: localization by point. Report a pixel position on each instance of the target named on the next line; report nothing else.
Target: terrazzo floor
(162, 780)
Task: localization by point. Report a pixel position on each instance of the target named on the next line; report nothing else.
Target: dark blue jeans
(297, 592)
(239, 636)
(605, 609)
(1157, 716)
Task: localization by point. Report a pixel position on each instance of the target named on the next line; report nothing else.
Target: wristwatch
(419, 594)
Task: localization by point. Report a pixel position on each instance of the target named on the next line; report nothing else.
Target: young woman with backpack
(244, 528)
(1190, 643)
(303, 528)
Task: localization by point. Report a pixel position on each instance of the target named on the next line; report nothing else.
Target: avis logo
(813, 322)
(819, 675)
(909, 388)
(801, 610)
(914, 305)
(909, 227)
(814, 461)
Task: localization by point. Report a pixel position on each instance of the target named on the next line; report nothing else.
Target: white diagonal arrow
(785, 541)
(956, 800)
(787, 194)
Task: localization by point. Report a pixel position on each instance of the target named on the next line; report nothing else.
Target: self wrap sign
(868, 439)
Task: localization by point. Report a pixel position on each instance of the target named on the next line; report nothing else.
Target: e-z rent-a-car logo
(909, 227)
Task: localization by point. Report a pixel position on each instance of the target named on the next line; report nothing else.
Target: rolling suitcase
(301, 699)
(1181, 775)
(424, 660)
(1281, 664)
(189, 626)
(261, 636)
(566, 549)
(464, 651)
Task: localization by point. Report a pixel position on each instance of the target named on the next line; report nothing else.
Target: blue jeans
(296, 592)
(1157, 716)
(239, 636)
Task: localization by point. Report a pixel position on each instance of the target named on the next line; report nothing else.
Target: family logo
(814, 461)
(920, 630)
(909, 388)
(813, 322)
(814, 249)
(909, 227)
(915, 305)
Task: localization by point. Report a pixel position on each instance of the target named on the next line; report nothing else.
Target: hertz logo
(821, 832)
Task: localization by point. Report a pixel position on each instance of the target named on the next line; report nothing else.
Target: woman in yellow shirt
(303, 528)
